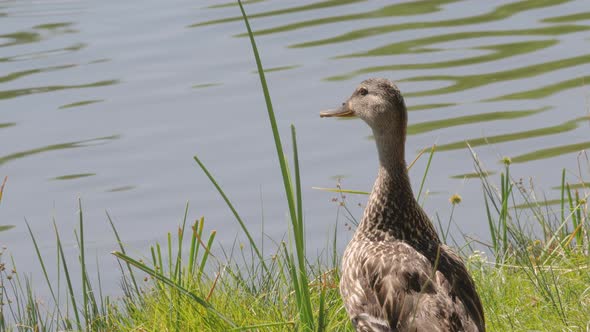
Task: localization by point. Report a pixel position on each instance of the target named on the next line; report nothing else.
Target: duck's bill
(341, 112)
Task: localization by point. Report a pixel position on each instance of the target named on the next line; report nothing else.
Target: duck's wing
(462, 285)
(395, 288)
(382, 285)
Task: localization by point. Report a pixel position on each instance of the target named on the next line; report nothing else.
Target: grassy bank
(526, 282)
(534, 274)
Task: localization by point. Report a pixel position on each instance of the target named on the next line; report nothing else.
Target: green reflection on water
(205, 85)
(81, 103)
(546, 90)
(581, 185)
(551, 152)
(73, 176)
(471, 81)
(313, 6)
(21, 37)
(400, 9)
(500, 13)
(5, 227)
(552, 130)
(53, 26)
(424, 127)
(233, 3)
(7, 124)
(499, 51)
(25, 37)
(19, 74)
(103, 60)
(429, 106)
(539, 203)
(473, 175)
(34, 55)
(54, 147)
(569, 18)
(421, 45)
(281, 68)
(42, 89)
(122, 188)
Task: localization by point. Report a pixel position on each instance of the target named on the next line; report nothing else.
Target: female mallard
(396, 274)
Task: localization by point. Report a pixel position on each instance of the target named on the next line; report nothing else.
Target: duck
(396, 274)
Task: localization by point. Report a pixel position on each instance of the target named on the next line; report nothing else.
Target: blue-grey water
(107, 101)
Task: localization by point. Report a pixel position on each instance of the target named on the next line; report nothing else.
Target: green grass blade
(206, 254)
(68, 279)
(41, 261)
(298, 187)
(322, 307)
(178, 264)
(193, 249)
(299, 235)
(83, 263)
(562, 194)
(426, 172)
(159, 256)
(122, 248)
(233, 210)
(169, 242)
(271, 117)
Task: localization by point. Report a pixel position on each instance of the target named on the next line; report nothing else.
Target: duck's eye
(363, 91)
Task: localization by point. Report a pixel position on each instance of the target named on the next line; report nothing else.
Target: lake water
(108, 101)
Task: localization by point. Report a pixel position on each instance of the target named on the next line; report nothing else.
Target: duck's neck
(392, 211)
(390, 148)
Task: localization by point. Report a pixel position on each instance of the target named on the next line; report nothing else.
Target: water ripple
(497, 14)
(60, 146)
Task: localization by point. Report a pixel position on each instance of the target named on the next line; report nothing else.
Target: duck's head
(380, 104)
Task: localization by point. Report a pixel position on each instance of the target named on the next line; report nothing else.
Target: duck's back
(390, 286)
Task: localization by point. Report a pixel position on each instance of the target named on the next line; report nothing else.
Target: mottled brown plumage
(396, 274)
